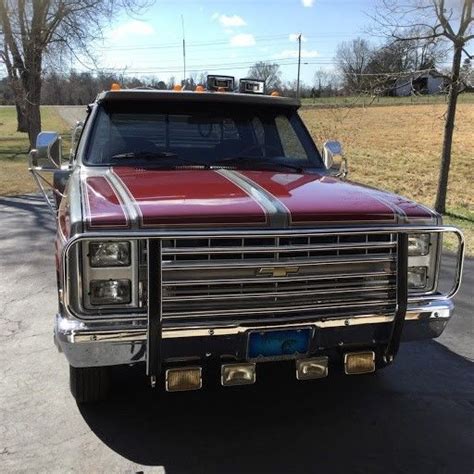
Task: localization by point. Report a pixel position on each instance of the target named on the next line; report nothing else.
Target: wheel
(89, 384)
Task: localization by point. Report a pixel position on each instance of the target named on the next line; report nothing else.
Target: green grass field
(391, 147)
(14, 175)
(370, 101)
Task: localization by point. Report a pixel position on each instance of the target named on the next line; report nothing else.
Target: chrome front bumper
(89, 344)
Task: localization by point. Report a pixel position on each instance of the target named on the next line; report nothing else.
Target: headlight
(417, 277)
(103, 292)
(418, 244)
(109, 254)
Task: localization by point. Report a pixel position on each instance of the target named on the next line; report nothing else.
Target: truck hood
(125, 196)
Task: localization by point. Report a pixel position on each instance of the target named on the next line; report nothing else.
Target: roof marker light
(115, 86)
(275, 94)
(199, 88)
(177, 88)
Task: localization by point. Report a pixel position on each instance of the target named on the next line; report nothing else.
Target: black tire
(89, 384)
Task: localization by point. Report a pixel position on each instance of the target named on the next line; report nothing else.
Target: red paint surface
(187, 197)
(103, 207)
(315, 198)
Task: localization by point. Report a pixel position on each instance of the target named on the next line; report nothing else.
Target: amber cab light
(115, 86)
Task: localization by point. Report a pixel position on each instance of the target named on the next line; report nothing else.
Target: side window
(289, 140)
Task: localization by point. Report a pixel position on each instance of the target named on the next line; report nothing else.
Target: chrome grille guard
(158, 249)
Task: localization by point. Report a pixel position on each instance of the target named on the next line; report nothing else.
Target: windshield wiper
(151, 155)
(257, 162)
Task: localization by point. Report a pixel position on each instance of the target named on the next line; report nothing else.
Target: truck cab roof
(163, 96)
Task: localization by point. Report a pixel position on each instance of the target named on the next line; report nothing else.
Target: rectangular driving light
(109, 254)
(183, 379)
(105, 292)
(314, 368)
(238, 374)
(359, 362)
(251, 86)
(220, 83)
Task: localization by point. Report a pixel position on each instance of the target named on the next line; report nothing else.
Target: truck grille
(278, 277)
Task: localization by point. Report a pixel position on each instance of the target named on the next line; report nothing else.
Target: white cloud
(307, 3)
(132, 27)
(293, 53)
(229, 21)
(242, 40)
(294, 37)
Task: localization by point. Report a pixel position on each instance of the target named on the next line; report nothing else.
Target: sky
(226, 37)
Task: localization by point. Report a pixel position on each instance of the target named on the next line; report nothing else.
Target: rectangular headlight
(109, 254)
(417, 277)
(418, 244)
(104, 292)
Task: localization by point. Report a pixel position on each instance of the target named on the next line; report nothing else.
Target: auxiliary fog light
(417, 277)
(315, 368)
(103, 292)
(238, 374)
(359, 362)
(183, 379)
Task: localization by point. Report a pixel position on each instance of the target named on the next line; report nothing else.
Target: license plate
(278, 344)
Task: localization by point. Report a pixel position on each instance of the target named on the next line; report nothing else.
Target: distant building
(428, 82)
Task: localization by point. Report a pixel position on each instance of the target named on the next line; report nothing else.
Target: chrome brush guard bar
(154, 241)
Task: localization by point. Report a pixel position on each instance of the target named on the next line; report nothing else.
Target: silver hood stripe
(278, 214)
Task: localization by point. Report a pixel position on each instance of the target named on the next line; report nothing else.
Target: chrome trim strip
(216, 265)
(287, 279)
(170, 315)
(277, 248)
(128, 203)
(244, 296)
(276, 211)
(135, 335)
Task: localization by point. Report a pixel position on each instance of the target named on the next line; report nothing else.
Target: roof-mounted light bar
(252, 86)
(220, 83)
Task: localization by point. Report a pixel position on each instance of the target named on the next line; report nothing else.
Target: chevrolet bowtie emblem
(277, 271)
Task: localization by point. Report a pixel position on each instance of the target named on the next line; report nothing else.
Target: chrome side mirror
(49, 150)
(46, 157)
(334, 159)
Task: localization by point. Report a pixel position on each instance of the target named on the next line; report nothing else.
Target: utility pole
(184, 52)
(299, 67)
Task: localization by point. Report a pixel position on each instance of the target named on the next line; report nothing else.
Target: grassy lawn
(367, 100)
(392, 147)
(14, 175)
(398, 147)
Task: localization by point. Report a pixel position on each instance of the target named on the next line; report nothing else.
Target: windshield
(203, 136)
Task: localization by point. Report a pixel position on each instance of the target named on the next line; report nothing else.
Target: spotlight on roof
(220, 83)
(252, 86)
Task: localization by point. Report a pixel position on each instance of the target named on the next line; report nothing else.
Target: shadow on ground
(416, 416)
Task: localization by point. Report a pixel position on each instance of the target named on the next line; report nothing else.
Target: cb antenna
(184, 51)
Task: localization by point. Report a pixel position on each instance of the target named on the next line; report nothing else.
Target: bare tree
(352, 59)
(434, 20)
(34, 29)
(268, 72)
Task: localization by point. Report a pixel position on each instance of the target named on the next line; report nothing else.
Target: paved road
(416, 416)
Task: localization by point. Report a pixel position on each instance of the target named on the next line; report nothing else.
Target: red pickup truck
(207, 226)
